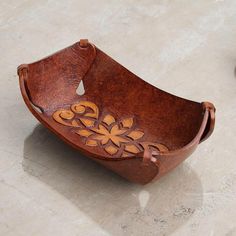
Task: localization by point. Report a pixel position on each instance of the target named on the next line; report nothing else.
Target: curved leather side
(22, 71)
(211, 121)
(52, 81)
(167, 161)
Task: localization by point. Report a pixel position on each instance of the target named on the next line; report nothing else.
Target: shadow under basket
(117, 119)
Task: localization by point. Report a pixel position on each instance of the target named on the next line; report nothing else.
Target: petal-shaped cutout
(115, 130)
(161, 147)
(101, 130)
(104, 139)
(135, 134)
(117, 140)
(128, 122)
(91, 142)
(111, 150)
(126, 154)
(87, 122)
(109, 119)
(84, 132)
(132, 148)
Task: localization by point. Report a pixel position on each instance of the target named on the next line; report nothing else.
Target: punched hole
(80, 90)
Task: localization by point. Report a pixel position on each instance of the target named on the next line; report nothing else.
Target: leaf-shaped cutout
(135, 134)
(111, 150)
(117, 140)
(108, 119)
(91, 142)
(131, 148)
(101, 130)
(128, 122)
(115, 130)
(104, 139)
(160, 147)
(126, 154)
(84, 132)
(87, 122)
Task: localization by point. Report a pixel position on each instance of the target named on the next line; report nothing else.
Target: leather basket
(120, 121)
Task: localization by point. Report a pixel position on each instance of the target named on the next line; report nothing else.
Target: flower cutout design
(117, 138)
(104, 135)
(112, 135)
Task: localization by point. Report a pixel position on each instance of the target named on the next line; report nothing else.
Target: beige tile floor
(185, 47)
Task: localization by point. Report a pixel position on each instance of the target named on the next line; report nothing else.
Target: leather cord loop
(211, 120)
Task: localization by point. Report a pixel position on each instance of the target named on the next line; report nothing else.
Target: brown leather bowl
(121, 121)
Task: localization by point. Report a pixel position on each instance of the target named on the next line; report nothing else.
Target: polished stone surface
(185, 47)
